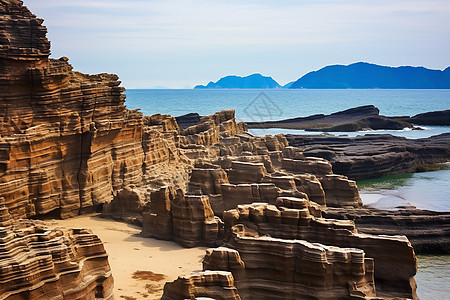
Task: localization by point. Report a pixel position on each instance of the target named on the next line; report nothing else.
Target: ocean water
(433, 277)
(277, 104)
(428, 190)
(425, 190)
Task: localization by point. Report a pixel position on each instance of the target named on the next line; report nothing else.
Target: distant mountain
(255, 81)
(363, 75)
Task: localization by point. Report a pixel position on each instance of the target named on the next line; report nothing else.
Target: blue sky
(182, 43)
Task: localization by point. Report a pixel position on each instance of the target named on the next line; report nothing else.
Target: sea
(427, 190)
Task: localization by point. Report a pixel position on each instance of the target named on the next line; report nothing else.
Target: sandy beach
(140, 266)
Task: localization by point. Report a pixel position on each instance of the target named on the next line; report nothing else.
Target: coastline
(129, 252)
(282, 215)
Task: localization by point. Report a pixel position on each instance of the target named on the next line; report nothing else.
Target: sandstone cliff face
(40, 261)
(67, 143)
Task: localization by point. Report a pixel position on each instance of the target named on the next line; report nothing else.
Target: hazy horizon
(183, 43)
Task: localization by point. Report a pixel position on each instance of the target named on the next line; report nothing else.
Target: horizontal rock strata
(202, 285)
(395, 262)
(40, 261)
(428, 231)
(373, 156)
(68, 144)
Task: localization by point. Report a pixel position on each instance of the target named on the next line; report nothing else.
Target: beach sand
(140, 266)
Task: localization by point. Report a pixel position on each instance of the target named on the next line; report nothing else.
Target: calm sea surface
(429, 190)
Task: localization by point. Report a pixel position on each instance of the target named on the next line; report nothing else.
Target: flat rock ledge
(372, 156)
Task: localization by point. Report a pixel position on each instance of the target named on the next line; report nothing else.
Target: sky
(182, 43)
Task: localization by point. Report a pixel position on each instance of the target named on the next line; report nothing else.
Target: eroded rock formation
(371, 156)
(68, 145)
(202, 285)
(353, 119)
(392, 275)
(41, 261)
(428, 231)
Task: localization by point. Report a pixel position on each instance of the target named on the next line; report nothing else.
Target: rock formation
(353, 119)
(41, 261)
(285, 252)
(187, 219)
(68, 146)
(428, 231)
(371, 156)
(202, 285)
(432, 118)
(391, 275)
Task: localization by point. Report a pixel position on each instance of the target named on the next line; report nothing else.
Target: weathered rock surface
(353, 119)
(293, 269)
(372, 156)
(432, 118)
(68, 144)
(186, 219)
(394, 259)
(428, 231)
(231, 167)
(41, 261)
(202, 285)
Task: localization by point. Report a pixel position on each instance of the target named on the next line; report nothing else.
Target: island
(254, 81)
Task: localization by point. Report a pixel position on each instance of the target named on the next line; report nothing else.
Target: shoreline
(129, 252)
(148, 254)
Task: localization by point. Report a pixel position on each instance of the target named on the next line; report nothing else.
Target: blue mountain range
(363, 75)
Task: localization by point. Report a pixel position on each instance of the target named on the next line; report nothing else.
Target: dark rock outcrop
(373, 156)
(432, 118)
(428, 231)
(353, 119)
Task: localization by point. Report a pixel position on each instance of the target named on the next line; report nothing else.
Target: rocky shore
(69, 146)
(357, 119)
(372, 156)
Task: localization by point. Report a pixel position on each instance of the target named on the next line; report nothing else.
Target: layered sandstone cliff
(38, 261)
(67, 143)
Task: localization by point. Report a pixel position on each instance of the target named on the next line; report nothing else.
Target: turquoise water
(427, 190)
